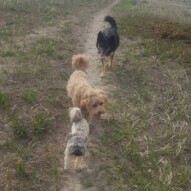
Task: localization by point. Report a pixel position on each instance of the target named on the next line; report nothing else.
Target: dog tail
(111, 21)
(80, 62)
(75, 114)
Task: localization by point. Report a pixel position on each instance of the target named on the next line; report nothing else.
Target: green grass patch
(19, 129)
(7, 53)
(4, 100)
(20, 168)
(29, 96)
(49, 51)
(47, 47)
(40, 123)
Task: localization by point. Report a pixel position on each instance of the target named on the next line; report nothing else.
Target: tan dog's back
(83, 95)
(77, 82)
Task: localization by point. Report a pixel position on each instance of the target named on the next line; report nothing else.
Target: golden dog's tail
(80, 62)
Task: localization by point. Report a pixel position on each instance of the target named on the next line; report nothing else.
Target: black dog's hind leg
(103, 68)
(111, 60)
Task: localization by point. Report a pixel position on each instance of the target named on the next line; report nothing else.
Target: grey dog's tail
(111, 21)
(75, 114)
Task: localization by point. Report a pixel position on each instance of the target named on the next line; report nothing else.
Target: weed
(6, 33)
(40, 123)
(23, 150)
(3, 100)
(29, 96)
(20, 168)
(19, 129)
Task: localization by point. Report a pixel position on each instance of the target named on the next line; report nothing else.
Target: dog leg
(103, 68)
(77, 163)
(67, 160)
(111, 60)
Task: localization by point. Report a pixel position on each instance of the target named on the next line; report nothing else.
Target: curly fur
(91, 101)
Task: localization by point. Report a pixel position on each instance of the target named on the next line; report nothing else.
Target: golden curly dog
(91, 101)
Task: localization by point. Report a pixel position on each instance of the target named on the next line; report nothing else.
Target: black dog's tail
(111, 21)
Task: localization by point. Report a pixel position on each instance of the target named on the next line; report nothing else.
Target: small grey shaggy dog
(77, 139)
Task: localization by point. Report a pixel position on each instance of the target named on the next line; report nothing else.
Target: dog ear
(86, 100)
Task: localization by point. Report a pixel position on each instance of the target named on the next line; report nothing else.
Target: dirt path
(93, 178)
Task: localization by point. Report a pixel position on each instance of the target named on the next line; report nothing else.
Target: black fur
(111, 21)
(108, 39)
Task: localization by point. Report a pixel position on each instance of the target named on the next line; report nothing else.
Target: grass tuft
(20, 168)
(29, 96)
(49, 51)
(40, 123)
(3, 100)
(19, 130)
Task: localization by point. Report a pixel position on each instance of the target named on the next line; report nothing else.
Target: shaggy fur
(77, 140)
(91, 101)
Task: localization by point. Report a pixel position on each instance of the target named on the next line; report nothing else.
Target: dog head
(94, 103)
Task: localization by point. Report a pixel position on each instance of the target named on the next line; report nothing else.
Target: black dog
(107, 42)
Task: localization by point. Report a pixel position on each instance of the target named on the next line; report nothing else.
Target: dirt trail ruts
(93, 178)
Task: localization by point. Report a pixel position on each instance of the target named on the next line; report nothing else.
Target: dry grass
(147, 138)
(149, 127)
(37, 41)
